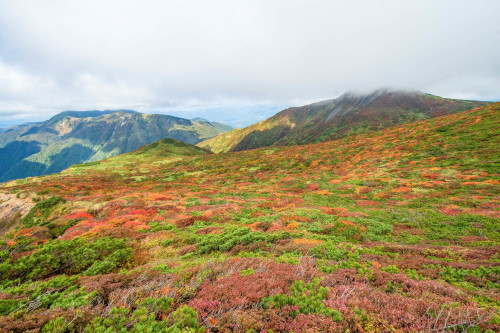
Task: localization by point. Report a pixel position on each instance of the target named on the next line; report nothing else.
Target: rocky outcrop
(12, 209)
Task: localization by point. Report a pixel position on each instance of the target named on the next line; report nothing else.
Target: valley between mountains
(374, 219)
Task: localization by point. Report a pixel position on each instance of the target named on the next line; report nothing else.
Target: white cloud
(469, 87)
(17, 83)
(110, 94)
(152, 55)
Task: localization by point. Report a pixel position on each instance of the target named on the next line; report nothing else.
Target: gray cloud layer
(157, 55)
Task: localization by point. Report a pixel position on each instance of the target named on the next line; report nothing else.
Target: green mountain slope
(155, 154)
(332, 119)
(163, 149)
(74, 137)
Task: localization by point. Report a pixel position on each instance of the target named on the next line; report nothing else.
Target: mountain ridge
(73, 137)
(348, 114)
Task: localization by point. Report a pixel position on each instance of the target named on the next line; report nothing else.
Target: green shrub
(349, 264)
(41, 212)
(248, 271)
(59, 292)
(392, 287)
(167, 242)
(164, 268)
(57, 230)
(390, 269)
(185, 319)
(290, 258)
(458, 275)
(412, 273)
(451, 274)
(232, 236)
(144, 318)
(307, 297)
(331, 251)
(69, 257)
(58, 325)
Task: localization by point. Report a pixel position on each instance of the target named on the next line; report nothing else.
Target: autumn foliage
(388, 231)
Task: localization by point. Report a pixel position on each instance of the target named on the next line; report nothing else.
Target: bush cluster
(67, 257)
(304, 298)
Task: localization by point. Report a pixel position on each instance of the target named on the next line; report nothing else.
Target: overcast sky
(195, 55)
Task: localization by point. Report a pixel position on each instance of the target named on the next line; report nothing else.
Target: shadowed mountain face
(73, 137)
(332, 119)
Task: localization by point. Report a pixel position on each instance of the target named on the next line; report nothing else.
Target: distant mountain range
(73, 137)
(237, 116)
(349, 114)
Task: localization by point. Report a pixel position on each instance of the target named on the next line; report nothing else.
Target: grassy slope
(400, 225)
(155, 154)
(347, 115)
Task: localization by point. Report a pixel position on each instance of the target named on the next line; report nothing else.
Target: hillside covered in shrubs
(388, 231)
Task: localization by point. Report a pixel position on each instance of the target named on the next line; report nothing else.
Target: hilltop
(157, 153)
(391, 231)
(351, 113)
(73, 137)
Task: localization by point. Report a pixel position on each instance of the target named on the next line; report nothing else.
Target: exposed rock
(12, 209)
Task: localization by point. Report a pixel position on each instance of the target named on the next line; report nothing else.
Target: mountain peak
(372, 94)
(85, 136)
(86, 114)
(353, 112)
(367, 96)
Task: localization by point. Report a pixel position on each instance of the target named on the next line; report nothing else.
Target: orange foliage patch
(401, 189)
(352, 214)
(295, 218)
(305, 241)
(346, 222)
(293, 225)
(312, 187)
(314, 164)
(275, 227)
(324, 192)
(430, 175)
(363, 190)
(365, 203)
(338, 210)
(81, 216)
(450, 211)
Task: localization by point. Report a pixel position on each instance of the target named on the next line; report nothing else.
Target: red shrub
(236, 291)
